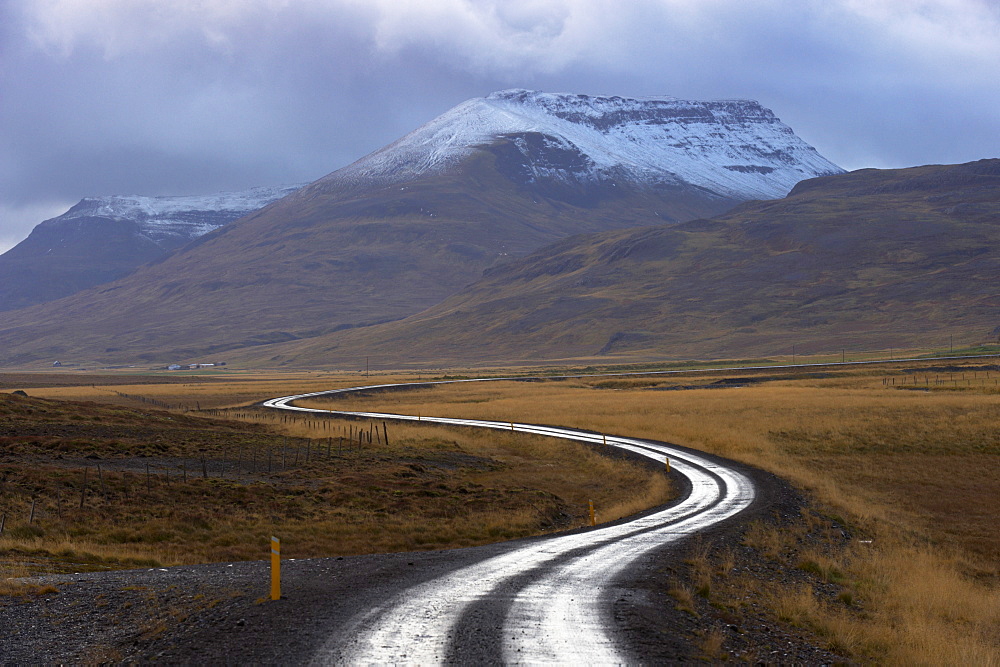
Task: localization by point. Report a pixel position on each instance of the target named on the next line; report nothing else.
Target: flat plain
(900, 459)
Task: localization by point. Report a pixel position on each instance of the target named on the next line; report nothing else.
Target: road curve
(548, 600)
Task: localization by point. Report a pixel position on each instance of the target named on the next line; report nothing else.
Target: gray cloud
(143, 96)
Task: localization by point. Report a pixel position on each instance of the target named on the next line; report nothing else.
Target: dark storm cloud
(155, 97)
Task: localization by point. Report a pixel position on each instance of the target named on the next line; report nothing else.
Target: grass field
(915, 473)
(101, 485)
(905, 457)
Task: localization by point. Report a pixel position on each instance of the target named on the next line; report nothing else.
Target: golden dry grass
(11, 585)
(916, 471)
(431, 487)
(913, 471)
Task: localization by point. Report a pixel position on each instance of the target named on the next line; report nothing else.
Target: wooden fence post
(83, 491)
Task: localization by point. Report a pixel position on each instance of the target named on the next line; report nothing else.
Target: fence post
(83, 491)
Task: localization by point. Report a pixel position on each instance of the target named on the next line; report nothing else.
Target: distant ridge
(101, 239)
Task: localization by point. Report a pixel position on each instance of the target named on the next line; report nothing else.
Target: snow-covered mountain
(404, 228)
(172, 221)
(104, 238)
(734, 148)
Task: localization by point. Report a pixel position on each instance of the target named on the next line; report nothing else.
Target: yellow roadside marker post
(275, 568)
(667, 462)
(593, 516)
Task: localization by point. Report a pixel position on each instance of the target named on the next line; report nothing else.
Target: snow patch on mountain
(734, 148)
(180, 217)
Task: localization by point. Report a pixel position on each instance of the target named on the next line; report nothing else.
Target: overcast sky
(161, 97)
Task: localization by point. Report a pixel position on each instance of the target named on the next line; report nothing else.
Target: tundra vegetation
(899, 464)
(906, 458)
(95, 485)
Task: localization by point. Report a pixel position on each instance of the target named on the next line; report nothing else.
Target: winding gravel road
(549, 600)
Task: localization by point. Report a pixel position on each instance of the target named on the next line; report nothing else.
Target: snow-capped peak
(734, 148)
(178, 218)
(138, 206)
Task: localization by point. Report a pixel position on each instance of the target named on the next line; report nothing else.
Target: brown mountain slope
(329, 257)
(101, 239)
(53, 263)
(868, 259)
(406, 226)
